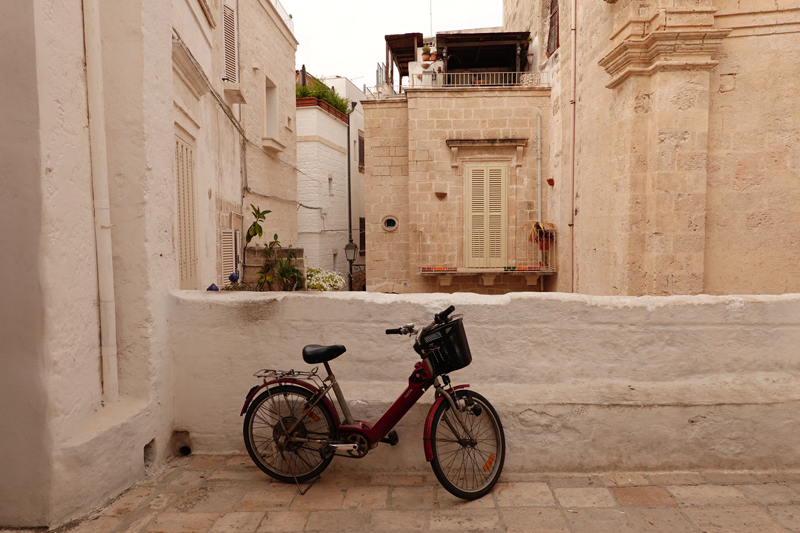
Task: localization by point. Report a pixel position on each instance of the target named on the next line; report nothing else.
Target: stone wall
(581, 383)
(431, 228)
(677, 162)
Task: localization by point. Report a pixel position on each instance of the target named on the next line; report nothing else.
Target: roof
(404, 48)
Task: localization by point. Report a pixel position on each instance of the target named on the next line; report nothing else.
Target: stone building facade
(673, 168)
(686, 166)
(124, 172)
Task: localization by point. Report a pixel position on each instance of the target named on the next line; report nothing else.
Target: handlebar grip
(394, 331)
(442, 317)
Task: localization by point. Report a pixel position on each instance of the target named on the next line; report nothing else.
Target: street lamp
(350, 251)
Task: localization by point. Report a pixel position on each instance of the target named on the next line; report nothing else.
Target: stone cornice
(682, 49)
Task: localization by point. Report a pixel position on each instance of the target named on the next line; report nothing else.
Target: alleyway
(228, 494)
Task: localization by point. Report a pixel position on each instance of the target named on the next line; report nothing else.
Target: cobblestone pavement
(228, 494)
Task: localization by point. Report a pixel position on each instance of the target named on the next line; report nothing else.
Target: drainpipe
(102, 212)
(573, 103)
(539, 162)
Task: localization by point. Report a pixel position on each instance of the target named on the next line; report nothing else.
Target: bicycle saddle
(314, 354)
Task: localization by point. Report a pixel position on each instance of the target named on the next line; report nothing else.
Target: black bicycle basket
(448, 347)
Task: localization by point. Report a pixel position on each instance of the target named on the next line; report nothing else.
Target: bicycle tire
(269, 416)
(466, 470)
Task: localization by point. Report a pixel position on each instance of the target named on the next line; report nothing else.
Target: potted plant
(433, 55)
(426, 53)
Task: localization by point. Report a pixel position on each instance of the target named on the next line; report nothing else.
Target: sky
(346, 37)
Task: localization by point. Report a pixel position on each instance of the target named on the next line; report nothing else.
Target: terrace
(476, 59)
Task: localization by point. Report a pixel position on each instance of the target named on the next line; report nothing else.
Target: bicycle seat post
(348, 418)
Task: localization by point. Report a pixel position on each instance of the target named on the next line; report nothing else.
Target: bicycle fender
(291, 381)
(426, 437)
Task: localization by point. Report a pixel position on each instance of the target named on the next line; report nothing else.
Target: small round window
(389, 223)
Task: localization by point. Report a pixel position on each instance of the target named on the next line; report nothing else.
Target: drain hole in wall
(185, 450)
(150, 454)
(180, 443)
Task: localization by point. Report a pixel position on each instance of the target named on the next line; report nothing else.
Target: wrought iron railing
(478, 79)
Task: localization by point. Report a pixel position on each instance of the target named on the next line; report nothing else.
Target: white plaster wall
(580, 382)
(322, 140)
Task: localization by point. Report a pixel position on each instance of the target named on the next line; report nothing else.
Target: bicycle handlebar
(441, 318)
(394, 331)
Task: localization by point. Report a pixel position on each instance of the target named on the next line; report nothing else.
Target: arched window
(552, 38)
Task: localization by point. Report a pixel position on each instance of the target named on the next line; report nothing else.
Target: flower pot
(426, 57)
(433, 56)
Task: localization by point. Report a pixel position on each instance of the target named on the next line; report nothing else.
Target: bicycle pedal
(391, 438)
(327, 451)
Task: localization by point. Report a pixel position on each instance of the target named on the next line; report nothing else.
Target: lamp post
(350, 251)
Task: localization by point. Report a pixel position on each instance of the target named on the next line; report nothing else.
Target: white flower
(324, 280)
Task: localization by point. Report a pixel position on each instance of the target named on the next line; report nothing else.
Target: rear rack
(269, 373)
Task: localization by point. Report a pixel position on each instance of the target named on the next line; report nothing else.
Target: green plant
(426, 49)
(287, 275)
(317, 89)
(255, 228)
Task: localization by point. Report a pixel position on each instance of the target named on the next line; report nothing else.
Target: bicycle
(292, 430)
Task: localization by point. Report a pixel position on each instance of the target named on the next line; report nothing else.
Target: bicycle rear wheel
(467, 468)
(270, 416)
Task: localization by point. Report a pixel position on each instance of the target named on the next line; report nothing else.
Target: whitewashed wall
(321, 154)
(580, 382)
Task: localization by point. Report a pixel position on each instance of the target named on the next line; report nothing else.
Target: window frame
(553, 32)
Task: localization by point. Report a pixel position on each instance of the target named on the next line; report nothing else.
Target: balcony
(448, 250)
(454, 61)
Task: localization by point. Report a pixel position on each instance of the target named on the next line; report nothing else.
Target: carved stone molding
(188, 69)
(679, 49)
(454, 145)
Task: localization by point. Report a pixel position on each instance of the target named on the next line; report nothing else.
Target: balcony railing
(284, 14)
(478, 79)
(528, 250)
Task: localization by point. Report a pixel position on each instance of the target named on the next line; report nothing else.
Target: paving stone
(204, 462)
(100, 524)
(707, 496)
(397, 480)
(320, 498)
(366, 497)
(523, 495)
(787, 515)
(581, 497)
(730, 478)
(350, 481)
(399, 520)
(465, 520)
(338, 521)
(240, 474)
(600, 521)
(161, 501)
(445, 500)
(749, 519)
(187, 479)
(238, 460)
(560, 482)
(647, 496)
(237, 523)
(181, 522)
(769, 494)
(415, 498)
(129, 501)
(137, 525)
(659, 520)
(275, 498)
(679, 478)
(618, 480)
(540, 520)
(283, 521)
(207, 499)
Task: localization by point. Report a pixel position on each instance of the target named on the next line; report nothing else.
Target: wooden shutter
(228, 249)
(184, 178)
(487, 217)
(231, 50)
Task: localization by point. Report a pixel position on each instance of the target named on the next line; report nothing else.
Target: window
(229, 240)
(487, 218)
(362, 234)
(360, 152)
(270, 109)
(552, 39)
(184, 178)
(231, 46)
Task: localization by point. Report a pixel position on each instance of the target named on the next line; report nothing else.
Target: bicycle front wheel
(467, 466)
(268, 434)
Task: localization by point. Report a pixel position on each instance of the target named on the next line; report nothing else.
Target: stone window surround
(458, 159)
